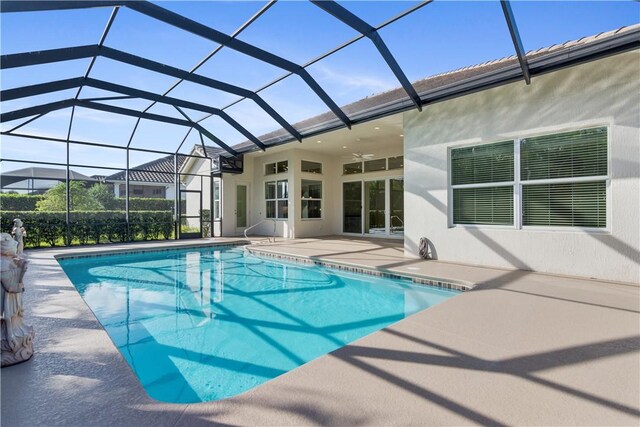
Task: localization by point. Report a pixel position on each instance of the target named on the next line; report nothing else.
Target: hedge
(147, 204)
(50, 229)
(18, 202)
(25, 202)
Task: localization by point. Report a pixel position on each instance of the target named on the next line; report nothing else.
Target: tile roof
(159, 171)
(423, 86)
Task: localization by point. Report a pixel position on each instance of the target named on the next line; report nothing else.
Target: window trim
(276, 199)
(451, 187)
(321, 173)
(264, 167)
(386, 166)
(517, 184)
(311, 198)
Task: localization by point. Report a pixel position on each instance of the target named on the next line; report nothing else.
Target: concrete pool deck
(520, 348)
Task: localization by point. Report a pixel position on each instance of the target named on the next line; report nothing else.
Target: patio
(506, 132)
(520, 348)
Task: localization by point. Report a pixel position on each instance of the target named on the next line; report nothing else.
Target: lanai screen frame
(230, 41)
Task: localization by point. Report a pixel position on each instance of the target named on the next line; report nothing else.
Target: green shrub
(205, 214)
(43, 228)
(19, 202)
(55, 199)
(103, 193)
(50, 228)
(147, 204)
(25, 202)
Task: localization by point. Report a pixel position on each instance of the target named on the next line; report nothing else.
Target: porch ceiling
(381, 134)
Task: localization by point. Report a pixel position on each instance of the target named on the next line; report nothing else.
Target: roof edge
(541, 63)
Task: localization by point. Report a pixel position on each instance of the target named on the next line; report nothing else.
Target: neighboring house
(493, 171)
(37, 180)
(154, 179)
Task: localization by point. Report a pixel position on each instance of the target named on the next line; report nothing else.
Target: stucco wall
(293, 226)
(229, 185)
(604, 92)
(331, 177)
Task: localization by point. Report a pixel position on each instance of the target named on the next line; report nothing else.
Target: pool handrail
(260, 222)
(391, 222)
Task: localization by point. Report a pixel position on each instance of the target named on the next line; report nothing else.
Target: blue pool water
(204, 324)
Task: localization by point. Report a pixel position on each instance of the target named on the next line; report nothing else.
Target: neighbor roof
(18, 175)
(157, 171)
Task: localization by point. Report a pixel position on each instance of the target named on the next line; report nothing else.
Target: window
(311, 167)
(311, 194)
(278, 167)
(482, 183)
(282, 167)
(352, 168)
(216, 199)
(562, 181)
(270, 169)
(375, 165)
(396, 162)
(276, 195)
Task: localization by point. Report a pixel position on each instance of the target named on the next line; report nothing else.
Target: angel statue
(19, 233)
(17, 338)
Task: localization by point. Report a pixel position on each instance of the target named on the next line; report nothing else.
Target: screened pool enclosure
(110, 108)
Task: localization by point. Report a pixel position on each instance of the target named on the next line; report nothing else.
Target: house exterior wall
(229, 185)
(294, 226)
(148, 190)
(330, 198)
(368, 176)
(603, 92)
(170, 192)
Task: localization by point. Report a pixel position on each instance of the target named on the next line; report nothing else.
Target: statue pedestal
(18, 348)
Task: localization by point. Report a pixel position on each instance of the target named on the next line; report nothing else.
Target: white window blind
(573, 166)
(478, 177)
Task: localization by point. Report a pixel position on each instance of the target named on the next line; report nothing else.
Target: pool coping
(169, 247)
(421, 279)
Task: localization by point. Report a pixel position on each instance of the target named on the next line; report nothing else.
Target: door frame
(193, 235)
(387, 208)
(240, 230)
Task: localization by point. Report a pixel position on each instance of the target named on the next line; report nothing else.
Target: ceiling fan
(358, 157)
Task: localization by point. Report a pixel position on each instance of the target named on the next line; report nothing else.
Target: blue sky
(441, 36)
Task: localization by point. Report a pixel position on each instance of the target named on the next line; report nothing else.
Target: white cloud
(347, 84)
(97, 116)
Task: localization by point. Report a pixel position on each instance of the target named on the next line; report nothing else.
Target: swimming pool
(203, 324)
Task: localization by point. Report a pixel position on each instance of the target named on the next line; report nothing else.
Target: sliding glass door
(374, 208)
(396, 203)
(352, 207)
